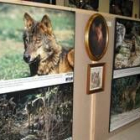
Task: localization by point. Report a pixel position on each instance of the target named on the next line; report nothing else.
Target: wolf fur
(129, 97)
(42, 52)
(34, 107)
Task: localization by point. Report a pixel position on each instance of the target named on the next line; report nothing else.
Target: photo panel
(121, 7)
(37, 114)
(30, 36)
(125, 101)
(127, 44)
(37, 43)
(36, 72)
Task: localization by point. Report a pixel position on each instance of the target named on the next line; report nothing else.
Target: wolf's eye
(26, 40)
(38, 40)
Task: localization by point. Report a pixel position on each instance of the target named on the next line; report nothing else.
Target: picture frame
(95, 78)
(96, 37)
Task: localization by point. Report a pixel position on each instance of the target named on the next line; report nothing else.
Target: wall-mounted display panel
(36, 71)
(38, 114)
(125, 93)
(35, 41)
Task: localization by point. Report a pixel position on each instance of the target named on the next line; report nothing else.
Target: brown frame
(97, 69)
(92, 45)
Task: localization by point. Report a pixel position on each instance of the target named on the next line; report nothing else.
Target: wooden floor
(132, 133)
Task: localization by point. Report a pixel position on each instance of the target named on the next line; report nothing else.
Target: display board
(125, 96)
(36, 72)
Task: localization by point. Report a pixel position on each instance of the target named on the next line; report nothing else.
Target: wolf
(128, 97)
(120, 34)
(95, 78)
(97, 38)
(34, 107)
(42, 52)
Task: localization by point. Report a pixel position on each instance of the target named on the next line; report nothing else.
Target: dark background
(121, 7)
(44, 1)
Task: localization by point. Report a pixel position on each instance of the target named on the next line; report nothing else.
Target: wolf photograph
(127, 44)
(125, 101)
(35, 41)
(37, 114)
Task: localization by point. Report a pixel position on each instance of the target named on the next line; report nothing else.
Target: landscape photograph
(127, 44)
(125, 101)
(37, 114)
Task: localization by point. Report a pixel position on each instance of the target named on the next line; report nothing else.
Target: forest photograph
(125, 100)
(127, 44)
(37, 114)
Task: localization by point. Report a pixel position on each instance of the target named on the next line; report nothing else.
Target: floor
(132, 133)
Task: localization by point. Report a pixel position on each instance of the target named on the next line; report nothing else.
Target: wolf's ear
(47, 24)
(70, 57)
(28, 21)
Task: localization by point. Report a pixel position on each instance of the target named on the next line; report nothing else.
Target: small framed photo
(96, 37)
(95, 78)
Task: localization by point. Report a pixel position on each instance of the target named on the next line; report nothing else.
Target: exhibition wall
(91, 112)
(97, 106)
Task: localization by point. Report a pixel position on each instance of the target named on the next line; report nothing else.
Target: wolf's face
(120, 32)
(37, 39)
(95, 79)
(98, 32)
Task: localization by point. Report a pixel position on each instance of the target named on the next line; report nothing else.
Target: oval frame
(89, 48)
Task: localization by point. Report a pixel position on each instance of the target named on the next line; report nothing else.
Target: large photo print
(35, 41)
(37, 114)
(125, 101)
(127, 44)
(36, 72)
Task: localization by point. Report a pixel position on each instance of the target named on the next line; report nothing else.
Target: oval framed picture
(96, 37)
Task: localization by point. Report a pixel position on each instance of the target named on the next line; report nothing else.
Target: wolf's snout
(26, 58)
